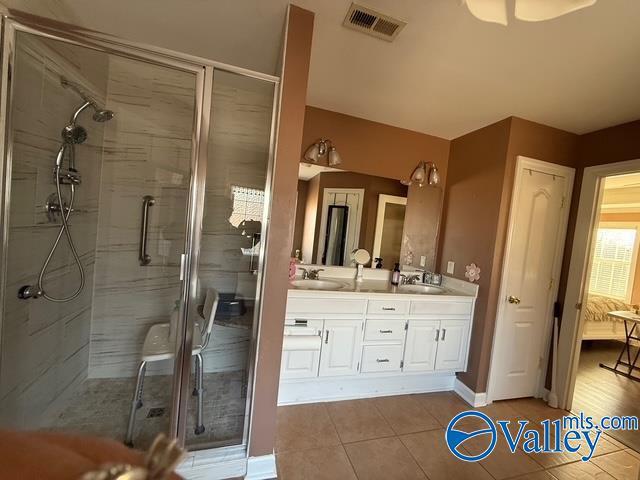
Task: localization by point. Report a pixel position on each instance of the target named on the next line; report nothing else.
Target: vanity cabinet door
(299, 364)
(452, 346)
(341, 347)
(421, 345)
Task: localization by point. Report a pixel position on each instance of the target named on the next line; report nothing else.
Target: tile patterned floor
(101, 407)
(402, 437)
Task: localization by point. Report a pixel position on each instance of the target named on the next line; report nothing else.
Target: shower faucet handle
(67, 177)
(29, 291)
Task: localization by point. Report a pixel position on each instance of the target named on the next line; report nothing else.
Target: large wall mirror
(340, 211)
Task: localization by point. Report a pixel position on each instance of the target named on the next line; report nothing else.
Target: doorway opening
(607, 377)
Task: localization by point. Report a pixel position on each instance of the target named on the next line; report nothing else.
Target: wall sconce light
(425, 171)
(321, 148)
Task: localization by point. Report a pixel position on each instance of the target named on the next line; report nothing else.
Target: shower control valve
(29, 291)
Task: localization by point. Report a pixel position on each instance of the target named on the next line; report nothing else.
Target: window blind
(612, 268)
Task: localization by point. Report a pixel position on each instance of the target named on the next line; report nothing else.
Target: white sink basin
(426, 289)
(317, 284)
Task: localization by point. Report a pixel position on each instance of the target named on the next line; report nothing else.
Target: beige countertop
(373, 287)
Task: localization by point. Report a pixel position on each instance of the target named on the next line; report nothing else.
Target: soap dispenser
(395, 275)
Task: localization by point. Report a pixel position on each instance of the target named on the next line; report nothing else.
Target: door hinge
(406, 325)
(401, 363)
(358, 367)
(550, 284)
(564, 199)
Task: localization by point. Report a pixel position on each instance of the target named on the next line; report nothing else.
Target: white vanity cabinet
(421, 345)
(341, 342)
(374, 344)
(436, 345)
(452, 345)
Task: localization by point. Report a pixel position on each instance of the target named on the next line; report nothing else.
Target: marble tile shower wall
(147, 151)
(238, 156)
(45, 346)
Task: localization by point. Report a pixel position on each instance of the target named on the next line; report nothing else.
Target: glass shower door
(230, 258)
(115, 135)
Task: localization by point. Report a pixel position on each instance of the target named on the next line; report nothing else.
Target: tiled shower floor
(101, 407)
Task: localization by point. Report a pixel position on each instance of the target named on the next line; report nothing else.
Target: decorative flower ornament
(473, 272)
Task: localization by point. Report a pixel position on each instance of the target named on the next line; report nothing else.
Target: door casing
(586, 225)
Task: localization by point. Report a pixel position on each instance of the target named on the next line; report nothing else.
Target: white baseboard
(472, 398)
(294, 392)
(261, 468)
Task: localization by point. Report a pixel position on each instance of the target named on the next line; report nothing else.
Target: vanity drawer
(325, 305)
(381, 358)
(384, 330)
(440, 308)
(389, 307)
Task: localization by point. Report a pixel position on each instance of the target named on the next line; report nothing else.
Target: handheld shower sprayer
(72, 134)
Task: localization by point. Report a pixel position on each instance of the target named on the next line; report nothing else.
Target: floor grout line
(531, 414)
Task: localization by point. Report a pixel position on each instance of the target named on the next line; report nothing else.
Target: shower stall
(135, 187)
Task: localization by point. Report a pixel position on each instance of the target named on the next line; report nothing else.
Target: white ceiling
(446, 74)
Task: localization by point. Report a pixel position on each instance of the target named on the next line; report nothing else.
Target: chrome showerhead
(74, 134)
(101, 115)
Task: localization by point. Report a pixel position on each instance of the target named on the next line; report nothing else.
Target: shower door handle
(143, 256)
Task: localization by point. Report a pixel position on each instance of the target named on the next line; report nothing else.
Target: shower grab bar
(143, 256)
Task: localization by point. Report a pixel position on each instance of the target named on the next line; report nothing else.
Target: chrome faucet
(410, 279)
(311, 274)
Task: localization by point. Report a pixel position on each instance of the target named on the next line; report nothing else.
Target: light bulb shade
(434, 176)
(313, 153)
(419, 173)
(527, 10)
(489, 10)
(540, 10)
(334, 157)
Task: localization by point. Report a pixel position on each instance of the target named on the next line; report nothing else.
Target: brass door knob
(514, 300)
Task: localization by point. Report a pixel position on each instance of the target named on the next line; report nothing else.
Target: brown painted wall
(610, 145)
(481, 174)
(469, 227)
(297, 54)
(301, 205)
(374, 148)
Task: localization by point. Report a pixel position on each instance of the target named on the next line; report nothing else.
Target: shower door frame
(204, 71)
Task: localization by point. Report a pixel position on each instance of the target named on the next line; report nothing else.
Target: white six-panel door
(537, 227)
(341, 347)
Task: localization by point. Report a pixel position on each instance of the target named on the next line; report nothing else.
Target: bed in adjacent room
(600, 326)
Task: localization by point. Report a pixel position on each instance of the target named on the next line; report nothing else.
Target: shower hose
(64, 228)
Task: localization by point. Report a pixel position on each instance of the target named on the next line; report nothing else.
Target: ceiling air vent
(373, 23)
